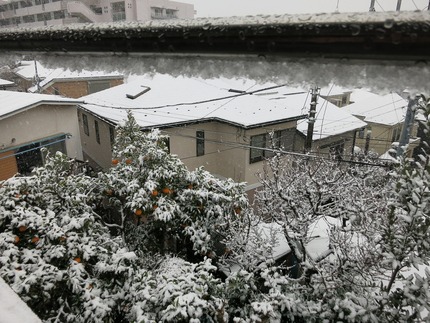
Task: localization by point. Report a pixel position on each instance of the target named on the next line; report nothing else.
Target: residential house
(227, 132)
(35, 13)
(384, 115)
(35, 78)
(29, 122)
(217, 124)
(335, 130)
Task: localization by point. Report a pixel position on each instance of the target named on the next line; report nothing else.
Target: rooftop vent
(137, 91)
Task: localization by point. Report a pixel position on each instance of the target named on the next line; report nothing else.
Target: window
(96, 128)
(282, 139)
(96, 86)
(361, 133)
(28, 19)
(200, 143)
(118, 11)
(85, 124)
(257, 152)
(59, 14)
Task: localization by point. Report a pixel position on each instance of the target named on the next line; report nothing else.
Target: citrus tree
(158, 205)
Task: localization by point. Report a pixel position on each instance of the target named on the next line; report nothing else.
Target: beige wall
(41, 122)
(98, 154)
(381, 137)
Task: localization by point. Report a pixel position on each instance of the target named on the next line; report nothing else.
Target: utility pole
(36, 76)
(311, 120)
(367, 142)
(399, 4)
(372, 5)
(407, 125)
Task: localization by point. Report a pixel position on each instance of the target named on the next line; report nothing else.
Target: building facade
(29, 122)
(35, 13)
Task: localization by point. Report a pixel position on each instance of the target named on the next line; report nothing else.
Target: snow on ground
(12, 308)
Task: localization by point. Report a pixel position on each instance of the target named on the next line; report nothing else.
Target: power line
(192, 103)
(236, 145)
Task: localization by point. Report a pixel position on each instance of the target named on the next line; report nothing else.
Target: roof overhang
(199, 121)
(37, 104)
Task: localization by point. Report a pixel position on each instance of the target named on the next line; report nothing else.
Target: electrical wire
(190, 103)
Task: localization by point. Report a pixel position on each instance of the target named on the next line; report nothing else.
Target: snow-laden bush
(179, 291)
(55, 253)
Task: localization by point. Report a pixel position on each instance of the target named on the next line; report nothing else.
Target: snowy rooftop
(6, 83)
(387, 109)
(330, 121)
(60, 74)
(27, 70)
(15, 102)
(167, 101)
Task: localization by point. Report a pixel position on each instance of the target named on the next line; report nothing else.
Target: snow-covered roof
(59, 74)
(386, 109)
(359, 95)
(15, 102)
(13, 308)
(27, 70)
(330, 121)
(168, 101)
(6, 83)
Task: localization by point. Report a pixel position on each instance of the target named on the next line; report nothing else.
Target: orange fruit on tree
(155, 206)
(109, 192)
(22, 228)
(16, 240)
(138, 212)
(154, 193)
(190, 186)
(128, 161)
(115, 161)
(166, 190)
(77, 259)
(35, 239)
(237, 210)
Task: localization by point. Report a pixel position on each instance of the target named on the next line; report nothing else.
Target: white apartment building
(33, 13)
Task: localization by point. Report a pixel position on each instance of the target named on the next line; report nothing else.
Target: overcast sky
(226, 8)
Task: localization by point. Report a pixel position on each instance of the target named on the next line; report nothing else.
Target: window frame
(97, 131)
(200, 143)
(85, 124)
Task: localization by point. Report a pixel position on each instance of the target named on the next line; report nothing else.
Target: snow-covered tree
(55, 253)
(158, 204)
(374, 266)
